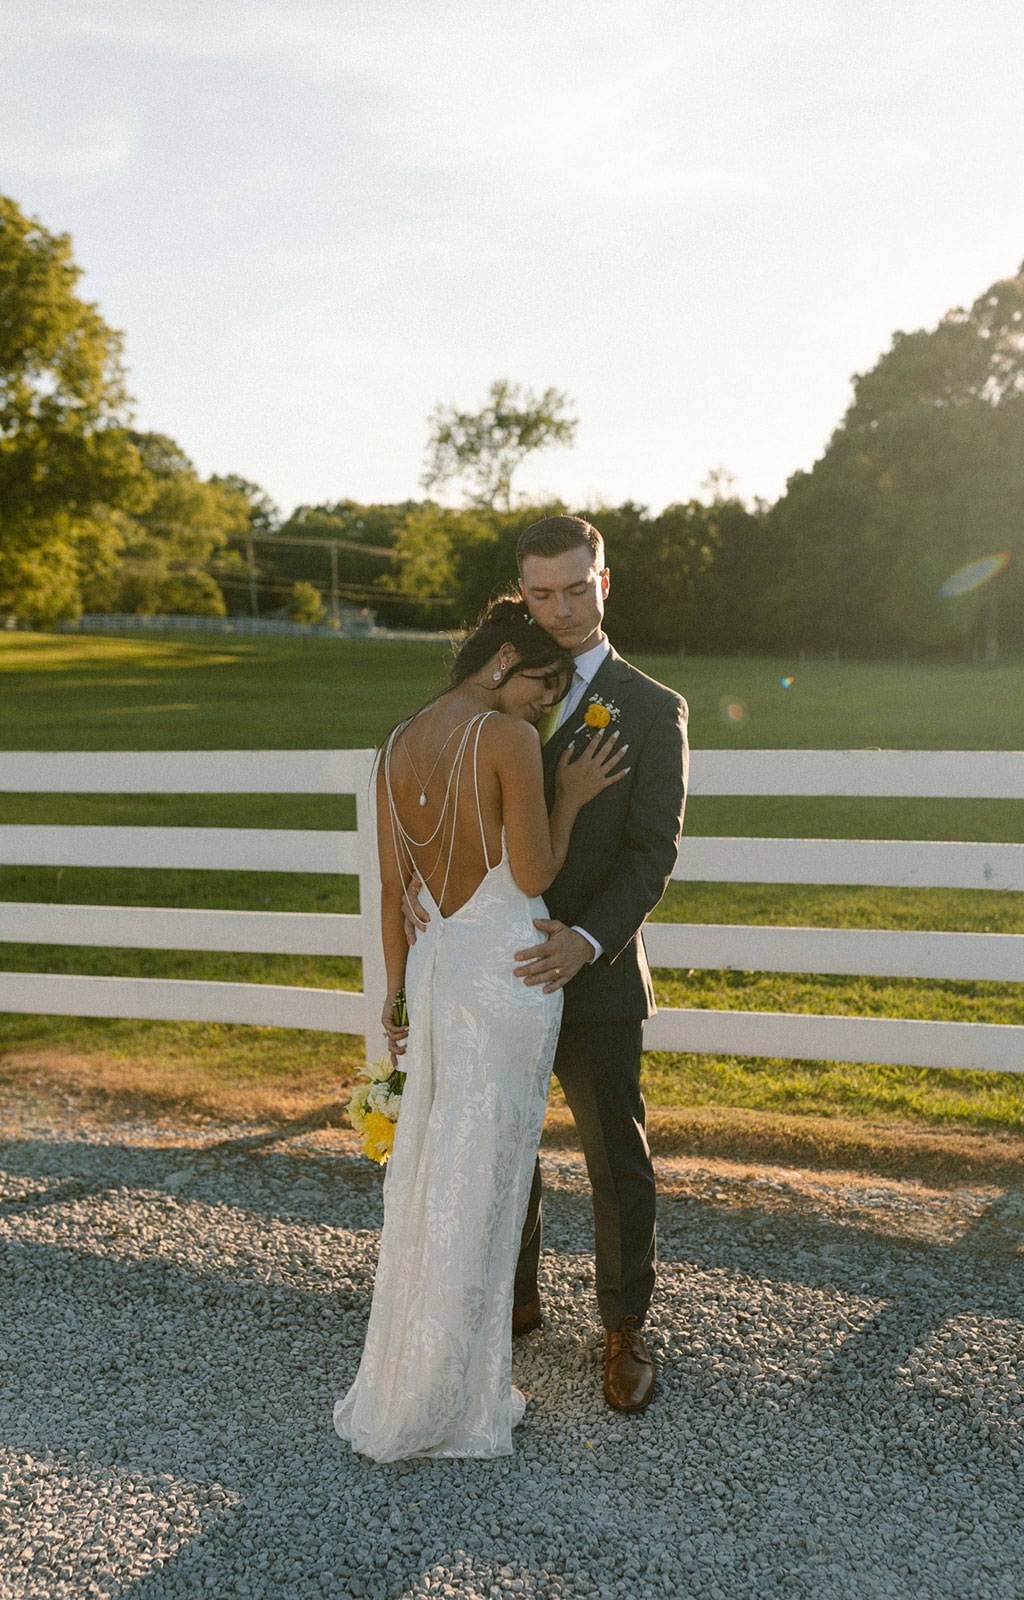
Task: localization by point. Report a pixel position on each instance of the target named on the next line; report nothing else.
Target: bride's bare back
(443, 787)
(454, 777)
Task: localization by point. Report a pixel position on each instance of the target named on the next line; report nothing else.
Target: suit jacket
(624, 844)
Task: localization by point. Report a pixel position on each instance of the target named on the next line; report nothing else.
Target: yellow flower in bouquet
(374, 1104)
(378, 1136)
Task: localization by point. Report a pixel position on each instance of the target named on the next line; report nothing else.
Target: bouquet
(375, 1103)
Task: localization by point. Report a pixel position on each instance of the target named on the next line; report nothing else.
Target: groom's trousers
(598, 1067)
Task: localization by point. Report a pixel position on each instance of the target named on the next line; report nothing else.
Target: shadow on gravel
(840, 1410)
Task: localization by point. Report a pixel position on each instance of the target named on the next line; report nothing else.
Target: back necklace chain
(440, 753)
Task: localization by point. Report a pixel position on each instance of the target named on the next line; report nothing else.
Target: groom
(621, 855)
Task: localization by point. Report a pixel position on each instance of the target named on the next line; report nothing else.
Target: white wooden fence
(892, 863)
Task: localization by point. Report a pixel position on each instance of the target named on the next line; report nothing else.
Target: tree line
(865, 553)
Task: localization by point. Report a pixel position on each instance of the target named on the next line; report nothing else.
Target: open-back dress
(435, 1377)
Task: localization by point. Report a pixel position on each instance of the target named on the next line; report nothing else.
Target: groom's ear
(605, 579)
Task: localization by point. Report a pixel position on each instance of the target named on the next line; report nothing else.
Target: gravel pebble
(840, 1410)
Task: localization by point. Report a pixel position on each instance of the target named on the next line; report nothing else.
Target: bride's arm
(392, 922)
(537, 842)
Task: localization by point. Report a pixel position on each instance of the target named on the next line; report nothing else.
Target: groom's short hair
(553, 536)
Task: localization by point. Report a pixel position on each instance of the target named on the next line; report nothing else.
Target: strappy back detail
(476, 789)
(447, 822)
(435, 1378)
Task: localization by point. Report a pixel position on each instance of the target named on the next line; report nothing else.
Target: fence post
(374, 971)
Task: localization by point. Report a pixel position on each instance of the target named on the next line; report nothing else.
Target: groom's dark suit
(621, 855)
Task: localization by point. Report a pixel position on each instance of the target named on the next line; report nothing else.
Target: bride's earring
(496, 676)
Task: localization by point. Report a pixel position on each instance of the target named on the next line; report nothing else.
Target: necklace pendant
(423, 799)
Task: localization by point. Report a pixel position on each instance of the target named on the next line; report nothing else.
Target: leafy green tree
(656, 563)
(733, 570)
(688, 578)
(446, 560)
(180, 534)
(484, 448)
(374, 526)
(188, 594)
(305, 604)
(344, 543)
(264, 516)
(68, 470)
(924, 475)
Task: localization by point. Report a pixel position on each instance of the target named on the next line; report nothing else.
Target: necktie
(549, 721)
(554, 716)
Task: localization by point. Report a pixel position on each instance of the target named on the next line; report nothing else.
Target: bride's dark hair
(507, 621)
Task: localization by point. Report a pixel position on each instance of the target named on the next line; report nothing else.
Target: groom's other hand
(414, 911)
(557, 961)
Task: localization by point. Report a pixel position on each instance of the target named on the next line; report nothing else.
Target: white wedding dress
(435, 1377)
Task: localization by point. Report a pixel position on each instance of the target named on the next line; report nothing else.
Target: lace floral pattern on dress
(435, 1375)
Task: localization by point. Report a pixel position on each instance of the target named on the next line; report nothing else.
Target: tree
(305, 604)
(657, 566)
(344, 549)
(179, 535)
(68, 470)
(484, 448)
(264, 516)
(187, 594)
(445, 559)
(924, 475)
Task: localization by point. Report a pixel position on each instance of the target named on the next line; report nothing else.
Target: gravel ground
(840, 1412)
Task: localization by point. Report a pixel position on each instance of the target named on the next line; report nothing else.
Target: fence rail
(890, 863)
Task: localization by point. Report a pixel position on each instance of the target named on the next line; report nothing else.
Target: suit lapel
(610, 675)
(612, 672)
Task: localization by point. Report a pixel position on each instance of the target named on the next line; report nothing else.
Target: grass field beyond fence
(66, 693)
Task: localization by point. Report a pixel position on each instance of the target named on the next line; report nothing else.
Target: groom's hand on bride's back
(415, 912)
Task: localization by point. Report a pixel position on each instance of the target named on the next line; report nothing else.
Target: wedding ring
(558, 972)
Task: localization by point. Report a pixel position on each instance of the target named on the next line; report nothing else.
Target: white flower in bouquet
(357, 1106)
(379, 1095)
(374, 1104)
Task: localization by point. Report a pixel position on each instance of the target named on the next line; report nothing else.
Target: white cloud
(100, 146)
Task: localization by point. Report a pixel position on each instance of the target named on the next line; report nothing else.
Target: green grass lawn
(59, 692)
(65, 693)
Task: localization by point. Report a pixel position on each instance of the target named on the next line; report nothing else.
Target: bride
(460, 801)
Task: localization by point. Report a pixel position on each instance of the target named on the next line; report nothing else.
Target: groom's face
(565, 595)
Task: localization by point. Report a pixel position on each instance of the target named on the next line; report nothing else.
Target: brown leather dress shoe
(628, 1368)
(525, 1318)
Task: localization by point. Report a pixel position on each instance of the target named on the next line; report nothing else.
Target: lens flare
(787, 683)
(971, 577)
(732, 710)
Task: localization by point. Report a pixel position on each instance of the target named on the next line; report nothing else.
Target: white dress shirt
(584, 671)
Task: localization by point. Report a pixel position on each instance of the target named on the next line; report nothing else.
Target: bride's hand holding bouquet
(374, 1104)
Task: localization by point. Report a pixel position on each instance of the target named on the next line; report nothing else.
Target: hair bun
(510, 608)
(507, 620)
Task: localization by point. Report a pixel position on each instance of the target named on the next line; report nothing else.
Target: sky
(314, 221)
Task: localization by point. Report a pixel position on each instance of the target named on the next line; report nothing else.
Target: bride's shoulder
(509, 736)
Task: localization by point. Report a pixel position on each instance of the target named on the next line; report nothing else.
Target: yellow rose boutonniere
(599, 714)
